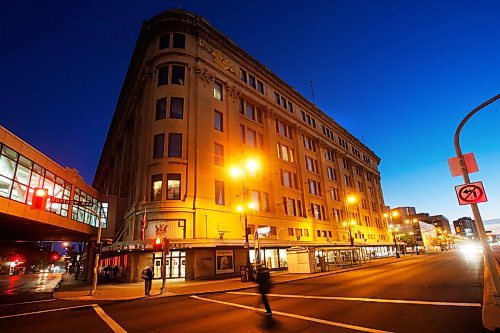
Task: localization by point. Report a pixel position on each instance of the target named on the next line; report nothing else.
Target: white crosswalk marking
(292, 315)
(363, 299)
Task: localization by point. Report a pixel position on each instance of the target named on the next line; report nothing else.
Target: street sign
(470, 193)
(470, 163)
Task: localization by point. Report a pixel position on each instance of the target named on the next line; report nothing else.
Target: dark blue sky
(399, 75)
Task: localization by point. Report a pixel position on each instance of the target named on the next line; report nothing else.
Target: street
(430, 293)
(27, 287)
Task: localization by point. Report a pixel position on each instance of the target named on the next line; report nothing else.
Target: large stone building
(466, 227)
(194, 105)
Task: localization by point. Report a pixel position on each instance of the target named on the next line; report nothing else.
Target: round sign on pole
(470, 193)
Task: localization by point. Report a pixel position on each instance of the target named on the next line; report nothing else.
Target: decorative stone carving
(204, 74)
(219, 58)
(232, 91)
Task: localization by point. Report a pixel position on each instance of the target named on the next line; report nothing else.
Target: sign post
(471, 192)
(166, 250)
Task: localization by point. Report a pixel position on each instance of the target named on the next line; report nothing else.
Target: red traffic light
(40, 196)
(55, 257)
(158, 244)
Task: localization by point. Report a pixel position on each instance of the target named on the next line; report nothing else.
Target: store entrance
(175, 266)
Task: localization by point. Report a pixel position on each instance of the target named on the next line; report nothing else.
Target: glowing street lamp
(250, 166)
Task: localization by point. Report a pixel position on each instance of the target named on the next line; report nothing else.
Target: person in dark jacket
(264, 280)
(147, 275)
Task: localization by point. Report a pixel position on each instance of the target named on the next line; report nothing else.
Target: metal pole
(97, 254)
(163, 267)
(475, 210)
(247, 245)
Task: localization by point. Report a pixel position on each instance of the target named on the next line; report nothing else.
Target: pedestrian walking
(147, 276)
(264, 280)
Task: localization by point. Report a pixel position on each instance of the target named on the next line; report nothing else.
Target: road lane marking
(108, 320)
(45, 311)
(292, 315)
(29, 302)
(363, 299)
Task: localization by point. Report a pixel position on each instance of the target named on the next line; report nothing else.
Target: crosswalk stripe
(108, 320)
(292, 315)
(363, 299)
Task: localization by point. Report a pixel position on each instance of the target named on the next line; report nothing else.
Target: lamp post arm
(475, 210)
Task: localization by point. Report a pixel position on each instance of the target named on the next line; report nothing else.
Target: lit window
(219, 192)
(173, 186)
(156, 185)
(218, 91)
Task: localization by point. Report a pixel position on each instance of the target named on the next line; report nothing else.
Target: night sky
(399, 75)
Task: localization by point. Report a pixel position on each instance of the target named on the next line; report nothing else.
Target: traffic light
(158, 244)
(40, 196)
(55, 257)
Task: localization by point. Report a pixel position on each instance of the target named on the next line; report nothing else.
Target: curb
(208, 292)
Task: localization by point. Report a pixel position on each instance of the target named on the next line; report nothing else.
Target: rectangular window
(334, 194)
(173, 186)
(179, 41)
(260, 86)
(298, 232)
(219, 193)
(178, 74)
(347, 180)
(276, 98)
(360, 186)
(156, 186)
(265, 202)
(158, 145)
(176, 107)
(290, 231)
(218, 121)
(164, 41)
(316, 211)
(242, 134)
(251, 138)
(306, 232)
(218, 154)
(218, 91)
(175, 145)
(243, 75)
(251, 80)
(161, 109)
(290, 107)
(290, 207)
(163, 76)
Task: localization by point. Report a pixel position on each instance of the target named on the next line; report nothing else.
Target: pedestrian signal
(40, 196)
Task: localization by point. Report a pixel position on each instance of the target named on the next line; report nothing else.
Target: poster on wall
(224, 261)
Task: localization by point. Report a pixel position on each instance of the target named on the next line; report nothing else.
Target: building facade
(194, 106)
(466, 227)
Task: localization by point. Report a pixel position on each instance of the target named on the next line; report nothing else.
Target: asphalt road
(27, 287)
(434, 293)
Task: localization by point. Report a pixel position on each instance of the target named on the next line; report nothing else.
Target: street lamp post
(236, 172)
(393, 231)
(97, 252)
(389, 216)
(475, 210)
(348, 225)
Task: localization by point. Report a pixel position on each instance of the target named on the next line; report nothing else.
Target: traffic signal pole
(490, 260)
(164, 266)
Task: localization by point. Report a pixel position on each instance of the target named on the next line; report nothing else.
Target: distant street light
(475, 210)
(349, 199)
(394, 230)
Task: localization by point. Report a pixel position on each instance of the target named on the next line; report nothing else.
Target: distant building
(428, 232)
(492, 226)
(466, 227)
(438, 221)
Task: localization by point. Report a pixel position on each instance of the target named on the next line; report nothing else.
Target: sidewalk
(71, 289)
